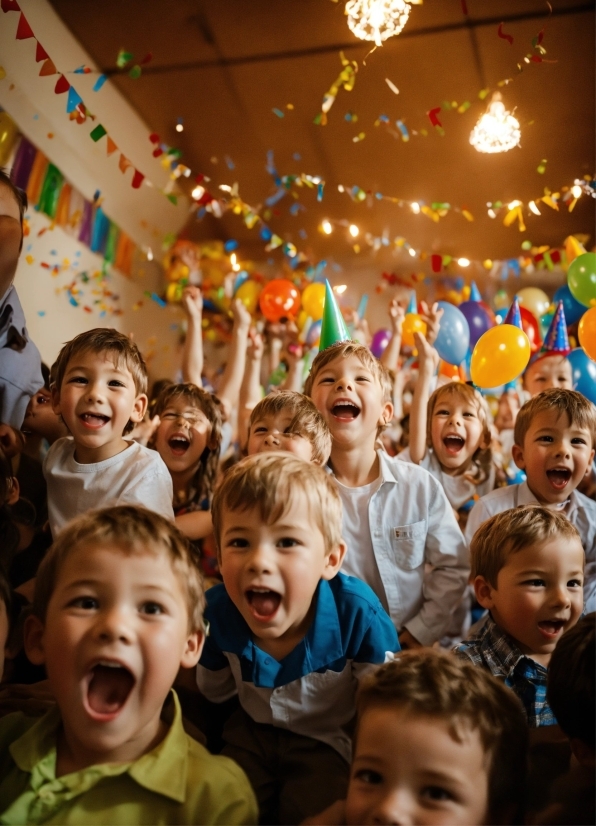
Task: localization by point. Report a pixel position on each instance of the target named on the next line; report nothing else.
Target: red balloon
(531, 329)
(279, 299)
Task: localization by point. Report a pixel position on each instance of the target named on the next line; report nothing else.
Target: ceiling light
(198, 192)
(576, 191)
(149, 254)
(354, 231)
(326, 227)
(415, 207)
(180, 125)
(412, 252)
(463, 262)
(497, 130)
(376, 19)
(341, 289)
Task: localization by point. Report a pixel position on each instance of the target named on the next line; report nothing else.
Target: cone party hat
(333, 326)
(412, 304)
(556, 341)
(514, 315)
(474, 292)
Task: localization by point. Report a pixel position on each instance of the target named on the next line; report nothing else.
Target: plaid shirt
(495, 650)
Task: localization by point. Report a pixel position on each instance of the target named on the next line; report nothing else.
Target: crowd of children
(336, 603)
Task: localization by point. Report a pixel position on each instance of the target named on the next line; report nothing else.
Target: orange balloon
(452, 371)
(587, 333)
(413, 323)
(280, 299)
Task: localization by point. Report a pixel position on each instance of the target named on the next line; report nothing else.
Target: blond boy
(288, 633)
(402, 536)
(100, 393)
(117, 611)
(528, 572)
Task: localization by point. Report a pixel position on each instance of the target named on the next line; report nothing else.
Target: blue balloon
(453, 339)
(573, 309)
(501, 314)
(314, 333)
(584, 373)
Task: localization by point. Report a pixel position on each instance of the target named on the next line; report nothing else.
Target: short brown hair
(344, 349)
(268, 481)
(581, 411)
(511, 531)
(435, 684)
(129, 529)
(306, 420)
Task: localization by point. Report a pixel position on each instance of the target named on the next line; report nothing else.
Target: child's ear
(517, 453)
(386, 414)
(33, 639)
(334, 559)
(140, 408)
(56, 401)
(484, 592)
(193, 650)
(15, 490)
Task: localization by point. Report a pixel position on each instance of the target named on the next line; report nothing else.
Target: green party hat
(333, 327)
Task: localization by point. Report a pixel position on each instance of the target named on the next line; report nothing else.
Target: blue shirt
(312, 690)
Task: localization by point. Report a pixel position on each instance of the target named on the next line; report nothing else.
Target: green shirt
(178, 782)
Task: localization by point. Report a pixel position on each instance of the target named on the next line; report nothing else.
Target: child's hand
(397, 315)
(144, 430)
(192, 302)
(428, 358)
(242, 318)
(433, 320)
(293, 346)
(407, 641)
(255, 346)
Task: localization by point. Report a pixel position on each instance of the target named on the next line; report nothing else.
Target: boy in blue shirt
(288, 633)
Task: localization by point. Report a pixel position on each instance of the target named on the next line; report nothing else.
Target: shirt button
(266, 661)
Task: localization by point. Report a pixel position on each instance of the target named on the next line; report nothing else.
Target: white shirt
(135, 476)
(418, 548)
(459, 490)
(580, 510)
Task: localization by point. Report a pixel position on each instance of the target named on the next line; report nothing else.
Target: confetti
(41, 313)
(541, 168)
(392, 86)
(278, 112)
(135, 72)
(29, 259)
(432, 114)
(359, 137)
(504, 36)
(123, 58)
(229, 162)
(405, 135)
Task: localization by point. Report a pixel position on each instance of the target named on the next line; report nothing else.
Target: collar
(526, 497)
(502, 653)
(162, 770)
(388, 467)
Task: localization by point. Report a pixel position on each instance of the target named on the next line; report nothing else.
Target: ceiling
(224, 65)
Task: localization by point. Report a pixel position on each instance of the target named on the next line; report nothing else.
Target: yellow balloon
(174, 292)
(313, 301)
(8, 136)
(500, 355)
(248, 293)
(413, 323)
(535, 300)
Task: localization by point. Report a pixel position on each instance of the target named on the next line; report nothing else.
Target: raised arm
(427, 364)
(294, 350)
(391, 353)
(192, 355)
(250, 390)
(229, 386)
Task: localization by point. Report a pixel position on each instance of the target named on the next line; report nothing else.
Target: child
(401, 533)
(555, 436)
(289, 421)
(437, 741)
(288, 633)
(548, 371)
(527, 570)
(100, 392)
(449, 433)
(117, 611)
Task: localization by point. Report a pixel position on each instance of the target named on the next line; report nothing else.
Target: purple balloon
(479, 320)
(379, 342)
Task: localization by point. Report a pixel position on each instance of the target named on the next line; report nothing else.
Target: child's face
(115, 634)
(539, 594)
(456, 431)
(182, 436)
(409, 769)
(41, 420)
(507, 412)
(556, 455)
(271, 572)
(350, 398)
(96, 400)
(272, 433)
(549, 371)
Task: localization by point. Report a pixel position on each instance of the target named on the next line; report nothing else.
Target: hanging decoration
(497, 130)
(377, 20)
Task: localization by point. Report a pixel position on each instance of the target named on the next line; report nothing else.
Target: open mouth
(453, 444)
(108, 687)
(558, 477)
(178, 445)
(345, 411)
(94, 420)
(263, 603)
(551, 628)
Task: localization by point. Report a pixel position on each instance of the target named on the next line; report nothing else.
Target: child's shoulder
(220, 780)
(61, 449)
(405, 470)
(583, 501)
(359, 610)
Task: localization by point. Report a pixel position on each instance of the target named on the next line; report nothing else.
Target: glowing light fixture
(149, 254)
(198, 192)
(576, 191)
(340, 289)
(463, 262)
(326, 227)
(354, 231)
(377, 19)
(415, 206)
(497, 130)
(412, 252)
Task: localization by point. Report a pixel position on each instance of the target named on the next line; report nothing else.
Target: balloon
(534, 299)
(478, 319)
(379, 342)
(248, 293)
(531, 329)
(573, 248)
(453, 339)
(413, 323)
(581, 278)
(314, 334)
(501, 300)
(501, 314)
(313, 300)
(8, 136)
(583, 370)
(174, 292)
(452, 371)
(279, 300)
(500, 355)
(573, 309)
(587, 333)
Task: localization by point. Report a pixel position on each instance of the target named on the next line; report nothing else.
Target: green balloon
(581, 278)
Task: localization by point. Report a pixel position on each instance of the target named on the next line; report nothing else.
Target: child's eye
(362, 378)
(574, 583)
(238, 543)
(116, 383)
(77, 380)
(288, 542)
(43, 400)
(469, 414)
(86, 603)
(545, 439)
(369, 776)
(436, 793)
(535, 583)
(578, 441)
(260, 429)
(152, 608)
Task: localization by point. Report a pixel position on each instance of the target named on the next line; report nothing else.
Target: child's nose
(272, 438)
(260, 560)
(395, 809)
(113, 626)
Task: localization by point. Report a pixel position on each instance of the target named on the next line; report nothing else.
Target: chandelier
(497, 130)
(377, 19)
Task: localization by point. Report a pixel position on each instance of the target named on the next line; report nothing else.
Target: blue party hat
(333, 328)
(556, 341)
(413, 304)
(513, 315)
(474, 292)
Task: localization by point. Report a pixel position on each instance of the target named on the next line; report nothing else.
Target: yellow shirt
(178, 782)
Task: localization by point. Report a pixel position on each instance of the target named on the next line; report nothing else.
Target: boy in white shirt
(100, 393)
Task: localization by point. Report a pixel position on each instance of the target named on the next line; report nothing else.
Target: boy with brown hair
(402, 536)
(100, 391)
(555, 437)
(117, 611)
(528, 572)
(289, 421)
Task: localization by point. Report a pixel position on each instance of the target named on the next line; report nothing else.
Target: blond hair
(511, 531)
(130, 530)
(344, 349)
(430, 683)
(269, 481)
(581, 411)
(306, 420)
(482, 457)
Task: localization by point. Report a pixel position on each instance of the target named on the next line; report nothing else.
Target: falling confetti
(392, 86)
